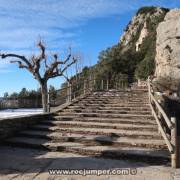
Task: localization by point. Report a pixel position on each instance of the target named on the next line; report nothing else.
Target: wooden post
(175, 141)
(84, 86)
(107, 85)
(102, 84)
(91, 84)
(48, 101)
(149, 93)
(67, 93)
(70, 92)
(149, 89)
(94, 85)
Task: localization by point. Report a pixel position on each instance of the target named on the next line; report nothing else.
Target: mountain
(134, 56)
(148, 46)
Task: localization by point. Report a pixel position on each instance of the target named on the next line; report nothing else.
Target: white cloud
(22, 21)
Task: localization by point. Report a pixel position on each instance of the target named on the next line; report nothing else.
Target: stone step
(87, 124)
(124, 120)
(110, 108)
(122, 93)
(112, 105)
(115, 100)
(130, 97)
(130, 116)
(106, 111)
(115, 120)
(125, 96)
(94, 140)
(95, 131)
(136, 153)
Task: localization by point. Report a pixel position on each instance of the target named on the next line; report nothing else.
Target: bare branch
(60, 72)
(20, 64)
(3, 56)
(67, 79)
(33, 64)
(67, 59)
(67, 66)
(42, 49)
(53, 70)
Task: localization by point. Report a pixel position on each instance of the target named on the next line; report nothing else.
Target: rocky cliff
(138, 28)
(134, 56)
(168, 47)
(140, 38)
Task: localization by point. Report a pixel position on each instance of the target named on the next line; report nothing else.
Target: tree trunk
(44, 93)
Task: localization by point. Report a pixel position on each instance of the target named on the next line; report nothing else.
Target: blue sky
(88, 26)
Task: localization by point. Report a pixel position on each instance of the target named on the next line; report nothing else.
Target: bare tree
(33, 65)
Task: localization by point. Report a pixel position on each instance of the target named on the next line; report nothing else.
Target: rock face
(137, 29)
(144, 33)
(132, 28)
(168, 47)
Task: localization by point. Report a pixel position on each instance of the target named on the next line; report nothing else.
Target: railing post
(116, 86)
(149, 92)
(175, 141)
(84, 86)
(102, 84)
(94, 84)
(107, 87)
(67, 91)
(149, 89)
(48, 101)
(91, 84)
(70, 92)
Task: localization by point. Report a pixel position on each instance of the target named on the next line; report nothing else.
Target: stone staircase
(113, 124)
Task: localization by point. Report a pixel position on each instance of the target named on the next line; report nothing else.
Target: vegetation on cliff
(132, 63)
(119, 61)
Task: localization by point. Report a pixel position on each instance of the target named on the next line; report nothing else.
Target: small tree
(53, 92)
(6, 95)
(34, 64)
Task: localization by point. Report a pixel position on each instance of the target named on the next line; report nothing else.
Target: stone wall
(10, 126)
(20, 103)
